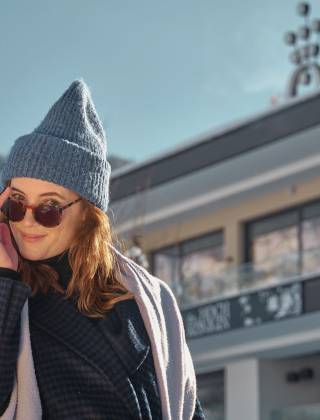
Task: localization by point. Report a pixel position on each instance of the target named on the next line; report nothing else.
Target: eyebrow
(42, 195)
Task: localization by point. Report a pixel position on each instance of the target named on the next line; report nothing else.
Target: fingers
(5, 237)
(4, 195)
(8, 254)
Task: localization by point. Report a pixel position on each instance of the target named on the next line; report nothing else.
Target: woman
(100, 338)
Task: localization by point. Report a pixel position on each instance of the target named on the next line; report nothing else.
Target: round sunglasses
(48, 215)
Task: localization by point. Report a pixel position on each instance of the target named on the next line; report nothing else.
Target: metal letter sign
(244, 311)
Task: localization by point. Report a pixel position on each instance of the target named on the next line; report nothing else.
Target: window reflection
(287, 244)
(200, 274)
(192, 268)
(311, 245)
(276, 253)
(166, 267)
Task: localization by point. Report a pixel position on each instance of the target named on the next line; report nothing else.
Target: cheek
(68, 227)
(14, 229)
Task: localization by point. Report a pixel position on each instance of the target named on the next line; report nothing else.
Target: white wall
(276, 392)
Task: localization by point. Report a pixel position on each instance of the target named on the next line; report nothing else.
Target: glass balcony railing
(232, 281)
(307, 412)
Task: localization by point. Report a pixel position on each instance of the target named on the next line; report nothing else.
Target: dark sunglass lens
(5, 208)
(14, 210)
(48, 216)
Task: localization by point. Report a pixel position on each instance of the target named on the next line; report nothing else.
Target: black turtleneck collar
(60, 264)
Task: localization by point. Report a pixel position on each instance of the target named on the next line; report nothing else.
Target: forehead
(34, 187)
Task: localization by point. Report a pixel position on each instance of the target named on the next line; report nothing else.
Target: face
(51, 241)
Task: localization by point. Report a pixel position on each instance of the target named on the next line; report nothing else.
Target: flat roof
(211, 148)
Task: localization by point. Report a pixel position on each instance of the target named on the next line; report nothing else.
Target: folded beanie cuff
(62, 162)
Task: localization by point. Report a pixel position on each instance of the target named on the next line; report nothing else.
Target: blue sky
(161, 73)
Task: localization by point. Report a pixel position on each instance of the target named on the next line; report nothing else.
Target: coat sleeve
(13, 294)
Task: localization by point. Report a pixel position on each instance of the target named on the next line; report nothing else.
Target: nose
(28, 219)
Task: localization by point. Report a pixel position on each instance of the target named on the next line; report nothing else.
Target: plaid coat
(88, 369)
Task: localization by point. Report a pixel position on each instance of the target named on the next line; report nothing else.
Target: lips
(31, 238)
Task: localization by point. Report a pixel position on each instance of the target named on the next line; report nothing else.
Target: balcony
(234, 281)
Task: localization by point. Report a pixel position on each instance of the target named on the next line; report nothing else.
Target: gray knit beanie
(68, 148)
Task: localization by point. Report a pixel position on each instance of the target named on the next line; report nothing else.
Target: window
(285, 245)
(310, 237)
(166, 266)
(211, 394)
(274, 246)
(192, 267)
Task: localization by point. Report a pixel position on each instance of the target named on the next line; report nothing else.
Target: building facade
(232, 222)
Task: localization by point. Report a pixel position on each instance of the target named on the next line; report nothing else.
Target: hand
(8, 254)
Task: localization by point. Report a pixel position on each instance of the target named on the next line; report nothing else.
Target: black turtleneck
(60, 264)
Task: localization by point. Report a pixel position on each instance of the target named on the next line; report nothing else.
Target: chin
(31, 253)
(32, 256)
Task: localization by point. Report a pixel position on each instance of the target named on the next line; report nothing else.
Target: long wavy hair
(95, 267)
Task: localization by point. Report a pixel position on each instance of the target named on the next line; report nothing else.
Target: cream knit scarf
(172, 360)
